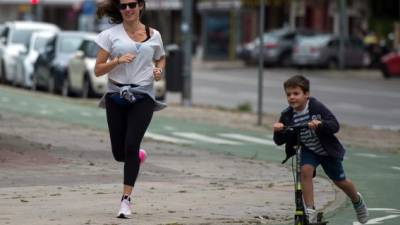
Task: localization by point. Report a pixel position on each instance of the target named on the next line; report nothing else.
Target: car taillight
(270, 46)
(314, 49)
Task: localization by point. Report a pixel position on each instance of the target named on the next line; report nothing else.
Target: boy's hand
(278, 126)
(313, 124)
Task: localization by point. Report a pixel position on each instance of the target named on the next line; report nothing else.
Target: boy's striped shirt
(307, 136)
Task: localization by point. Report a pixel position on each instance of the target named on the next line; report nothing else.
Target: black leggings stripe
(127, 126)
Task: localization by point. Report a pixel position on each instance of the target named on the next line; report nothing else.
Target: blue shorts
(333, 167)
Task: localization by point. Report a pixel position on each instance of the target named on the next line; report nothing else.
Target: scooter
(300, 217)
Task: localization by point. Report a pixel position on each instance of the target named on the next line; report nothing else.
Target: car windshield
(92, 49)
(69, 44)
(21, 36)
(314, 40)
(272, 36)
(40, 43)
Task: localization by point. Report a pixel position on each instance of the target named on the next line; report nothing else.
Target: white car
(25, 61)
(81, 77)
(14, 39)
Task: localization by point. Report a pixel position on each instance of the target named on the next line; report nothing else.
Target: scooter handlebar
(296, 127)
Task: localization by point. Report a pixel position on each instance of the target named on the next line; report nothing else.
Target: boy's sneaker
(142, 156)
(361, 210)
(311, 215)
(125, 209)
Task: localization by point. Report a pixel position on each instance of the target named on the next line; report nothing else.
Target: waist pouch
(121, 101)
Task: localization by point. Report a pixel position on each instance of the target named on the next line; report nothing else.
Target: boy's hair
(297, 81)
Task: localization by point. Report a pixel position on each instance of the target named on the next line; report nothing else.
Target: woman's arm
(102, 66)
(159, 67)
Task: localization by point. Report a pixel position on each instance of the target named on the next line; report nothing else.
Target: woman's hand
(157, 73)
(127, 58)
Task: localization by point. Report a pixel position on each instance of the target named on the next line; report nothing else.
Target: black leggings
(127, 126)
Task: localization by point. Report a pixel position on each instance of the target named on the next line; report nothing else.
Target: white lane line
(242, 137)
(160, 137)
(395, 167)
(45, 112)
(383, 209)
(378, 220)
(201, 137)
(387, 127)
(23, 104)
(270, 136)
(170, 128)
(369, 155)
(86, 114)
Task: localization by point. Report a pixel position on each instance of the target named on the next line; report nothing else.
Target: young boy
(319, 144)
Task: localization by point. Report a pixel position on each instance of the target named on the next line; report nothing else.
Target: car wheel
(86, 88)
(333, 64)
(51, 86)
(2, 73)
(385, 71)
(34, 83)
(65, 88)
(161, 98)
(285, 60)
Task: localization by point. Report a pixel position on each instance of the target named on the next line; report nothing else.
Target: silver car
(277, 47)
(81, 78)
(323, 51)
(14, 39)
(25, 61)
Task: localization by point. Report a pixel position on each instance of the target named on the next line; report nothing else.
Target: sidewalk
(56, 173)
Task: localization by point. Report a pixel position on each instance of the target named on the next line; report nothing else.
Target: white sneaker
(361, 210)
(311, 215)
(125, 209)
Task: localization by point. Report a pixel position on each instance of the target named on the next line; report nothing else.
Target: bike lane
(376, 175)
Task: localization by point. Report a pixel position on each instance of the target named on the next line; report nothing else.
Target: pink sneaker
(142, 155)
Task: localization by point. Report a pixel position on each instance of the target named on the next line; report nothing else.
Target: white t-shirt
(116, 41)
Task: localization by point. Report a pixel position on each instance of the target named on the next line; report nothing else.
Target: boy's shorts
(333, 167)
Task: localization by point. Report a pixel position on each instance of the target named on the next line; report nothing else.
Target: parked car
(81, 79)
(277, 49)
(390, 64)
(323, 51)
(50, 70)
(25, 61)
(14, 39)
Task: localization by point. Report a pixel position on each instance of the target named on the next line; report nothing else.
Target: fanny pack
(125, 97)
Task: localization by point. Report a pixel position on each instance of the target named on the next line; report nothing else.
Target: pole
(187, 52)
(261, 64)
(342, 32)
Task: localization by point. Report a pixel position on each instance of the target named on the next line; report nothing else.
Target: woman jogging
(132, 54)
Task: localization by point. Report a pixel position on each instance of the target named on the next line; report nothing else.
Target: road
(378, 181)
(355, 99)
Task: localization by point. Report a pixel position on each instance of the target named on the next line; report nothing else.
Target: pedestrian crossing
(234, 139)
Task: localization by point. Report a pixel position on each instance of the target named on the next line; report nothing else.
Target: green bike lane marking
(375, 176)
